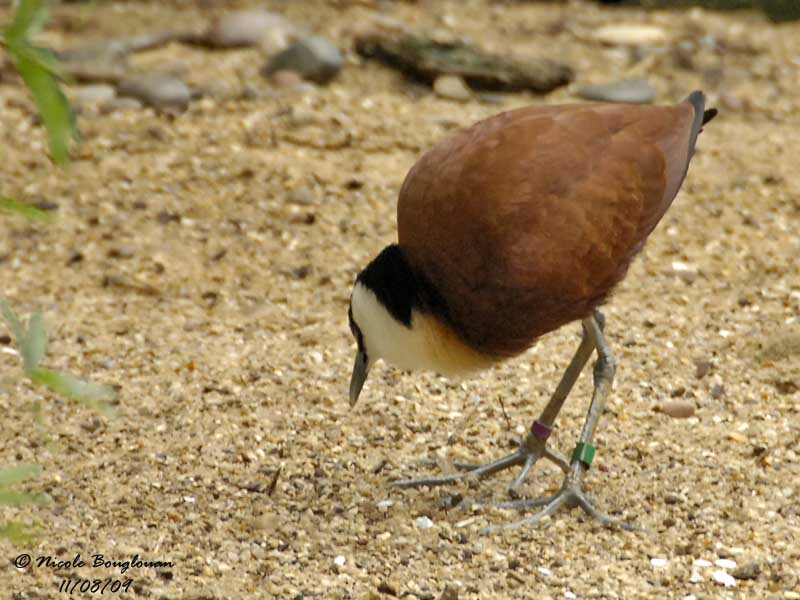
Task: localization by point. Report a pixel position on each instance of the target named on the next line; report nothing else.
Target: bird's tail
(701, 116)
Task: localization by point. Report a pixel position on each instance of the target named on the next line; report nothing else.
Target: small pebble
(251, 28)
(702, 368)
(314, 58)
(384, 504)
(95, 94)
(695, 577)
(163, 92)
(384, 587)
(451, 87)
(724, 578)
(544, 571)
(450, 593)
(749, 570)
(634, 91)
(285, 78)
(569, 594)
(659, 562)
(630, 34)
(120, 104)
(701, 563)
(423, 523)
(685, 271)
(678, 408)
(725, 563)
(339, 561)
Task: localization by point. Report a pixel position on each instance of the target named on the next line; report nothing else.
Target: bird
(511, 229)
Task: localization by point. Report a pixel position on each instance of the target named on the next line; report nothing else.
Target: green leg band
(584, 453)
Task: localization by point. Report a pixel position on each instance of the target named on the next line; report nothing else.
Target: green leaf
(25, 210)
(93, 395)
(13, 475)
(35, 343)
(35, 66)
(11, 498)
(13, 322)
(28, 20)
(40, 70)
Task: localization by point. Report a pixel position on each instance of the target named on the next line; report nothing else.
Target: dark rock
(45, 204)
(384, 587)
(313, 58)
(777, 10)
(749, 570)
(424, 59)
(635, 91)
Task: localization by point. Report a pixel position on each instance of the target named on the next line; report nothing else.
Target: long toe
(516, 458)
(569, 496)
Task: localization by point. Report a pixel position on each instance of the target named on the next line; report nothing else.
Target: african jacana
(510, 229)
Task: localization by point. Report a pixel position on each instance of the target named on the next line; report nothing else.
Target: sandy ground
(204, 263)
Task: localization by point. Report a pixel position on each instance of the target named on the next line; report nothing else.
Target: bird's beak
(360, 371)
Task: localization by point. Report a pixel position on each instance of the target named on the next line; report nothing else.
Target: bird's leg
(536, 439)
(533, 446)
(571, 493)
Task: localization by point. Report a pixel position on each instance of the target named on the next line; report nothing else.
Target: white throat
(426, 345)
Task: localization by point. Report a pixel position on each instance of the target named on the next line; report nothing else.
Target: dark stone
(424, 59)
(313, 58)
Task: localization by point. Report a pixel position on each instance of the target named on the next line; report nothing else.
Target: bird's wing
(542, 206)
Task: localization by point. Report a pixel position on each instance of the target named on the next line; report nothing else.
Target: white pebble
(724, 578)
(725, 563)
(569, 594)
(339, 561)
(384, 504)
(690, 597)
(423, 523)
(659, 562)
(695, 577)
(544, 571)
(701, 563)
(451, 87)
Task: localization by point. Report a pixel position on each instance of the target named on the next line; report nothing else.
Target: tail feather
(701, 116)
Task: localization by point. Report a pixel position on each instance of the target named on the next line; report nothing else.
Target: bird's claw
(528, 453)
(570, 495)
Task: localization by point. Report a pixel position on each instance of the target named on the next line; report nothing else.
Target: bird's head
(383, 305)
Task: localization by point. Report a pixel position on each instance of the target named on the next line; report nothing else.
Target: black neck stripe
(398, 288)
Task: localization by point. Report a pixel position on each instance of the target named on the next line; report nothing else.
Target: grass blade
(93, 395)
(13, 322)
(56, 113)
(28, 20)
(22, 209)
(17, 533)
(13, 475)
(34, 345)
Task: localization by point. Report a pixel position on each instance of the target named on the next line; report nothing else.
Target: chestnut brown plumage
(512, 228)
(532, 216)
